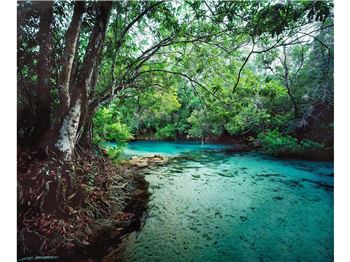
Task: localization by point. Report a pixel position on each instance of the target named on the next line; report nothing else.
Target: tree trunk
(44, 98)
(86, 136)
(66, 141)
(74, 121)
(294, 103)
(287, 84)
(68, 56)
(291, 96)
(67, 60)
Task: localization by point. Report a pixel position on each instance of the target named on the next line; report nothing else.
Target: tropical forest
(175, 130)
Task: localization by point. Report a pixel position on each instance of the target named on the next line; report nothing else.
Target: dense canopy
(168, 69)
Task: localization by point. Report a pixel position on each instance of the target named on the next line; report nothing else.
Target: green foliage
(249, 119)
(272, 90)
(275, 18)
(171, 104)
(277, 144)
(167, 132)
(114, 153)
(149, 111)
(182, 70)
(274, 143)
(116, 132)
(201, 126)
(107, 127)
(309, 145)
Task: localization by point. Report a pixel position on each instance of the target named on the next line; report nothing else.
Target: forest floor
(75, 210)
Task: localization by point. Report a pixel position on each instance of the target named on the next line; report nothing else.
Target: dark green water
(209, 205)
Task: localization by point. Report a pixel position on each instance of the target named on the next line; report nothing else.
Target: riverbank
(76, 210)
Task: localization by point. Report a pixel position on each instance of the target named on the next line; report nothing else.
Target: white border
(342, 123)
(8, 130)
(8, 133)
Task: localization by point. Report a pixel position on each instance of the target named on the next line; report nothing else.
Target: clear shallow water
(168, 148)
(212, 206)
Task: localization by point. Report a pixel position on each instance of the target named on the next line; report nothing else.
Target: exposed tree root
(70, 209)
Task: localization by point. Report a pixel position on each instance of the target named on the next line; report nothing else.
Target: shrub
(167, 132)
(114, 153)
(116, 132)
(310, 145)
(277, 144)
(107, 127)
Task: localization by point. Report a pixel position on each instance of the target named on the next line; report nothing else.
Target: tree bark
(66, 141)
(77, 116)
(44, 98)
(89, 74)
(71, 40)
(86, 134)
(68, 56)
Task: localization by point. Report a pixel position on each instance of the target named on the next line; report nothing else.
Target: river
(209, 204)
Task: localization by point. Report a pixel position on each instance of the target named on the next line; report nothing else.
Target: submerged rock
(142, 162)
(139, 163)
(278, 198)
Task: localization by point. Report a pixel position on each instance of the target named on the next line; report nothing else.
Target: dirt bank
(76, 210)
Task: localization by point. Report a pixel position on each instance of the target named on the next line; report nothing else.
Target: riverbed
(209, 204)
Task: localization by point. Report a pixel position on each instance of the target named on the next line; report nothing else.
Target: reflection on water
(212, 206)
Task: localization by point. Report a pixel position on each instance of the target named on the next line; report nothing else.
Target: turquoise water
(168, 148)
(210, 205)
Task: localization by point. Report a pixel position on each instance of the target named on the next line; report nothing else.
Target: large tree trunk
(67, 60)
(68, 56)
(44, 98)
(67, 135)
(74, 120)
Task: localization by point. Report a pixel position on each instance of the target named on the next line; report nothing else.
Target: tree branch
(240, 70)
(183, 75)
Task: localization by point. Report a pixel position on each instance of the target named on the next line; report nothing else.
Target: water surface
(169, 148)
(208, 205)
